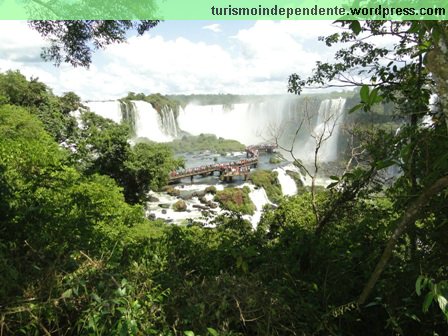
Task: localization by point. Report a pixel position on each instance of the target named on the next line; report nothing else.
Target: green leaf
(355, 108)
(355, 26)
(67, 294)
(188, 333)
(442, 302)
(418, 285)
(331, 185)
(364, 93)
(415, 26)
(96, 297)
(383, 164)
(428, 300)
(334, 177)
(374, 97)
(212, 332)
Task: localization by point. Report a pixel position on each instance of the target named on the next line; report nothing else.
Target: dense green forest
(364, 256)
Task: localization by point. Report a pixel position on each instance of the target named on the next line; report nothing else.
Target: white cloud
(255, 60)
(215, 27)
(19, 42)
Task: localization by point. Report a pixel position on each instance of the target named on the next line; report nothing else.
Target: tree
(405, 74)
(74, 42)
(318, 137)
(103, 147)
(38, 98)
(147, 167)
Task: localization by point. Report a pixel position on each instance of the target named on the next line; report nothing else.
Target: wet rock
(180, 206)
(198, 194)
(211, 190)
(201, 207)
(153, 199)
(186, 197)
(164, 211)
(151, 216)
(171, 191)
(164, 205)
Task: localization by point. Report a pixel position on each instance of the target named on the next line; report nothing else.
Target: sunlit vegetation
(236, 199)
(267, 180)
(158, 101)
(365, 256)
(205, 142)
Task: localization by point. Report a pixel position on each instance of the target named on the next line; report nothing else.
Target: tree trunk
(409, 217)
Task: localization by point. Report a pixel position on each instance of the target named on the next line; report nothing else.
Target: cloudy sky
(179, 57)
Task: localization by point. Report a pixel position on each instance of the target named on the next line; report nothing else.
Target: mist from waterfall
(106, 109)
(249, 123)
(286, 119)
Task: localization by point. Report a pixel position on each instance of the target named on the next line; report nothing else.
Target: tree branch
(410, 216)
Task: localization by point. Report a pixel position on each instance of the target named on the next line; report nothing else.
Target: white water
(261, 122)
(289, 187)
(159, 127)
(148, 123)
(326, 131)
(249, 123)
(260, 199)
(177, 217)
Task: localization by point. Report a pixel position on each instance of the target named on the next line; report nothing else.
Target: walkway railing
(228, 169)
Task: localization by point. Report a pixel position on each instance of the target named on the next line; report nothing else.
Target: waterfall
(252, 123)
(260, 199)
(269, 119)
(148, 123)
(144, 120)
(249, 123)
(287, 183)
(326, 132)
(169, 122)
(128, 114)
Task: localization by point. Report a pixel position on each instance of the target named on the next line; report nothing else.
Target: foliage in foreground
(77, 259)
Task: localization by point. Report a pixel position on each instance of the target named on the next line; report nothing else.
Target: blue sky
(180, 57)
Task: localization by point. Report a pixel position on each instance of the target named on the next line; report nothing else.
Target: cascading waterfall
(144, 120)
(148, 123)
(259, 198)
(266, 121)
(325, 134)
(287, 183)
(169, 122)
(128, 114)
(250, 123)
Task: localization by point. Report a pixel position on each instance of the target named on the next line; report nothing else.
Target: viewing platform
(226, 170)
